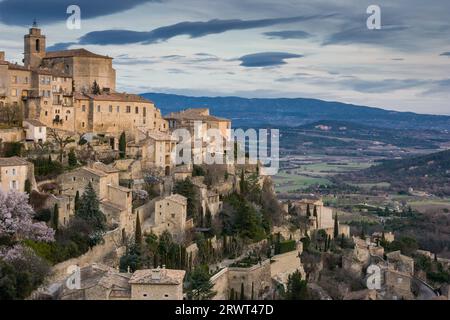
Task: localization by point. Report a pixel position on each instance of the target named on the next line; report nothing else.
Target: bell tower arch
(34, 45)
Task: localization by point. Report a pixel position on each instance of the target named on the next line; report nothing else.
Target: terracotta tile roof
(96, 172)
(73, 53)
(51, 72)
(103, 167)
(178, 198)
(158, 276)
(13, 161)
(112, 96)
(200, 114)
(80, 96)
(15, 66)
(34, 122)
(159, 136)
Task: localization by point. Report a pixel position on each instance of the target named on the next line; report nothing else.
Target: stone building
(115, 201)
(157, 284)
(14, 172)
(256, 281)
(57, 88)
(400, 262)
(35, 130)
(171, 215)
(209, 199)
(112, 113)
(324, 219)
(197, 122)
(100, 282)
(155, 150)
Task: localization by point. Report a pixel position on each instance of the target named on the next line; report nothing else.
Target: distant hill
(430, 173)
(293, 112)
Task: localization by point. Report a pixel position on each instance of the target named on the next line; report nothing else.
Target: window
(136, 110)
(82, 124)
(13, 172)
(14, 185)
(144, 111)
(110, 108)
(38, 45)
(83, 108)
(118, 109)
(128, 109)
(14, 79)
(14, 92)
(46, 113)
(98, 108)
(74, 178)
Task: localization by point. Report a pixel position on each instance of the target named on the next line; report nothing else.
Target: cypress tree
(308, 210)
(336, 226)
(89, 209)
(122, 145)
(55, 220)
(242, 183)
(232, 294)
(242, 296)
(253, 291)
(72, 158)
(28, 186)
(138, 232)
(342, 240)
(96, 88)
(77, 200)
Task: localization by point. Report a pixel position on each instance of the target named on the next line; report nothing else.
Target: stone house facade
(171, 215)
(14, 172)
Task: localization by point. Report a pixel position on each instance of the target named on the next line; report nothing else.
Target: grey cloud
(194, 29)
(445, 54)
(266, 59)
(288, 34)
(361, 34)
(23, 12)
(380, 86)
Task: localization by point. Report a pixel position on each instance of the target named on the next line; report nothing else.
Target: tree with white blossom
(16, 220)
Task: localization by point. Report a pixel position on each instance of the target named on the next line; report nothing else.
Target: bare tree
(12, 113)
(62, 139)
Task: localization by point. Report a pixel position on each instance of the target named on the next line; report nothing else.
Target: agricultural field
(304, 176)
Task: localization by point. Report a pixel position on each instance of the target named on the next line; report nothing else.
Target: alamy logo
(374, 278)
(74, 20)
(374, 20)
(230, 146)
(73, 282)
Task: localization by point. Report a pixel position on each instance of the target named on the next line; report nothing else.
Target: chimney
(2, 55)
(156, 274)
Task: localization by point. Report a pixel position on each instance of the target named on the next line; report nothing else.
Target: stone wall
(111, 249)
(220, 281)
(285, 264)
(256, 278)
(12, 135)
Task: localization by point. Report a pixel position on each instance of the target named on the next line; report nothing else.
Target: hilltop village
(98, 171)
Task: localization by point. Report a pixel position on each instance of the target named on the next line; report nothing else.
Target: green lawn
(285, 182)
(312, 174)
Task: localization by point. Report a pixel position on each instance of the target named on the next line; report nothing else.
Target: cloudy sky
(258, 48)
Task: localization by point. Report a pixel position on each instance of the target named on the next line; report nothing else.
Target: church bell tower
(34, 44)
